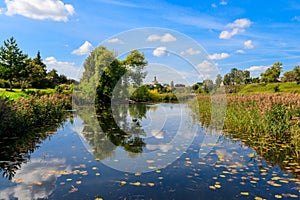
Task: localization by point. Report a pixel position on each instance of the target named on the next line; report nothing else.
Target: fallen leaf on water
(74, 189)
(123, 182)
(277, 196)
(151, 184)
(136, 183)
(244, 193)
(78, 182)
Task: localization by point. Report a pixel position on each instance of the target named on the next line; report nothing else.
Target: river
(141, 151)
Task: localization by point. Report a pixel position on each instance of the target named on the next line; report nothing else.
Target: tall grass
(23, 114)
(270, 123)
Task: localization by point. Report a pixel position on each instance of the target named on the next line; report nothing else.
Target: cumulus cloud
(84, 49)
(206, 66)
(257, 70)
(67, 68)
(218, 56)
(40, 9)
(115, 40)
(160, 51)
(39, 176)
(240, 51)
(248, 44)
(165, 38)
(237, 27)
(191, 52)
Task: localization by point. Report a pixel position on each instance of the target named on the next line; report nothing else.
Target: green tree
(272, 74)
(289, 76)
(37, 72)
(12, 61)
(208, 85)
(105, 71)
(218, 80)
(52, 78)
(297, 71)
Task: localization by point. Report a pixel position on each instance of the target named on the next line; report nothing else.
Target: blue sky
(248, 34)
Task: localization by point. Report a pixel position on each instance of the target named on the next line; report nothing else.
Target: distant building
(154, 82)
(179, 85)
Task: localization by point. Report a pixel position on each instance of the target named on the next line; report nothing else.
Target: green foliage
(287, 87)
(236, 77)
(141, 94)
(104, 71)
(276, 88)
(218, 80)
(12, 62)
(30, 113)
(272, 74)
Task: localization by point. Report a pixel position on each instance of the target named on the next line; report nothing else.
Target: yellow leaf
(123, 182)
(78, 182)
(151, 184)
(277, 196)
(245, 193)
(136, 183)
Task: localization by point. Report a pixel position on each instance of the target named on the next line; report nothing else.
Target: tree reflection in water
(117, 127)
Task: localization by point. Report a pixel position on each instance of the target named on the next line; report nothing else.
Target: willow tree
(104, 71)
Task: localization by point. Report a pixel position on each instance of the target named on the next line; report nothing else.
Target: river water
(139, 152)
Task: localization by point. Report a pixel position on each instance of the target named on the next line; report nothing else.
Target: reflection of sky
(36, 179)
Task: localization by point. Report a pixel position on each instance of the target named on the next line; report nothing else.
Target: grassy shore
(20, 114)
(269, 123)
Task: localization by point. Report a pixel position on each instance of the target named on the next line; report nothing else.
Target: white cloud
(40, 9)
(239, 23)
(165, 38)
(240, 51)
(206, 66)
(248, 44)
(213, 5)
(37, 175)
(223, 3)
(115, 40)
(191, 52)
(84, 49)
(238, 26)
(67, 68)
(257, 70)
(218, 56)
(160, 51)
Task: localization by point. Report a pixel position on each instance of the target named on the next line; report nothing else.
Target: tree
(272, 74)
(12, 61)
(292, 76)
(289, 76)
(297, 71)
(37, 72)
(208, 85)
(102, 66)
(52, 78)
(218, 80)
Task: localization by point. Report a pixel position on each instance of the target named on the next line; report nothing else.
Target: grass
(289, 87)
(269, 123)
(18, 93)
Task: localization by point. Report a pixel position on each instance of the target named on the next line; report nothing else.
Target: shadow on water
(118, 127)
(16, 151)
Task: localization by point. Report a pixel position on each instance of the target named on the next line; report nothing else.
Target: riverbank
(269, 123)
(25, 114)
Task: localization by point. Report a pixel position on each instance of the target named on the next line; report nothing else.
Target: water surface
(141, 152)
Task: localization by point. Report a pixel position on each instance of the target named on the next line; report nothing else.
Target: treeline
(236, 79)
(20, 71)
